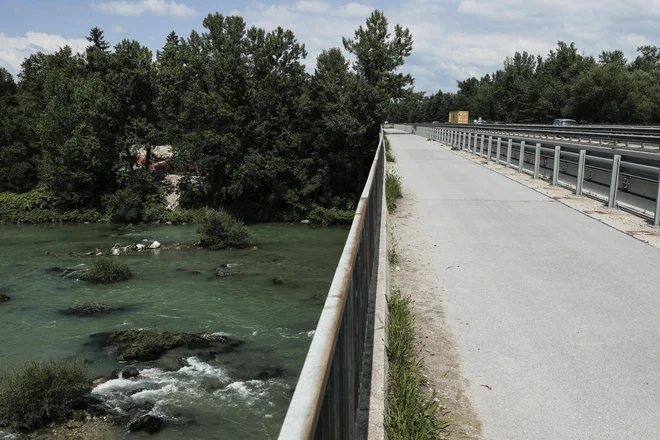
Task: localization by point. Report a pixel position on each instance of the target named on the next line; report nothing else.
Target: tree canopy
(564, 84)
(250, 130)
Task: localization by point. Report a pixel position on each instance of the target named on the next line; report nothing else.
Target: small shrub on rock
(36, 393)
(104, 270)
(146, 345)
(219, 230)
(87, 309)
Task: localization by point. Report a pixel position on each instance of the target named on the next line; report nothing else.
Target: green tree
(378, 54)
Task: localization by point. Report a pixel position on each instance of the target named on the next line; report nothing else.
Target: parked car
(564, 122)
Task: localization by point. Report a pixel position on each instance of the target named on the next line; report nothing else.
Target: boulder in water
(154, 245)
(269, 373)
(140, 247)
(278, 280)
(4, 297)
(305, 222)
(129, 372)
(88, 309)
(147, 423)
(147, 345)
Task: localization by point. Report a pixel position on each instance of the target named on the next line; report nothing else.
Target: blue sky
(454, 39)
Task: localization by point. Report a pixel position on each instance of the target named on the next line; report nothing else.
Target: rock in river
(147, 423)
(4, 297)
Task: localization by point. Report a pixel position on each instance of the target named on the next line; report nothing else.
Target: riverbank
(37, 207)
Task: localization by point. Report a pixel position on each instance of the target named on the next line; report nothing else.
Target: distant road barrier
(325, 402)
(615, 135)
(624, 178)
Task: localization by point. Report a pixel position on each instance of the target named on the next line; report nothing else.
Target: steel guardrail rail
(626, 136)
(635, 172)
(325, 402)
(620, 129)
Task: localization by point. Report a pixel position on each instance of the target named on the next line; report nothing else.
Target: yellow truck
(459, 117)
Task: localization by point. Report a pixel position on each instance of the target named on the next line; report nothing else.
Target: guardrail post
(471, 148)
(580, 175)
(463, 141)
(498, 150)
(521, 157)
(509, 150)
(490, 146)
(614, 182)
(537, 161)
(481, 149)
(656, 217)
(555, 166)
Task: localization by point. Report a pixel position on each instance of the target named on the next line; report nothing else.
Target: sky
(453, 39)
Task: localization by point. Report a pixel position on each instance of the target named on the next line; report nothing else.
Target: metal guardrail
(634, 175)
(626, 136)
(325, 402)
(597, 128)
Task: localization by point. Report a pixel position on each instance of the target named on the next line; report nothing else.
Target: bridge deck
(558, 313)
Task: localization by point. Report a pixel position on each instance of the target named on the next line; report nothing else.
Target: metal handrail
(325, 401)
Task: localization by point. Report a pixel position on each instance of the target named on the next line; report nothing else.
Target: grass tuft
(393, 252)
(410, 414)
(36, 393)
(389, 155)
(105, 270)
(392, 190)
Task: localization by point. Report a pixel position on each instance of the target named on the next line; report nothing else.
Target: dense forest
(565, 84)
(250, 130)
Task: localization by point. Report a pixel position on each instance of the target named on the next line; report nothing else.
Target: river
(209, 397)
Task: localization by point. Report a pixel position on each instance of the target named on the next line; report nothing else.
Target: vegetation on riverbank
(105, 270)
(411, 413)
(36, 393)
(79, 129)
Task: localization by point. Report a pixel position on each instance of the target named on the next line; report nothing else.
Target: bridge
(546, 295)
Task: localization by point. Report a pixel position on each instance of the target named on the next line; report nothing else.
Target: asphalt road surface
(558, 313)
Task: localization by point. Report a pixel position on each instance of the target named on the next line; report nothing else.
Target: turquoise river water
(198, 395)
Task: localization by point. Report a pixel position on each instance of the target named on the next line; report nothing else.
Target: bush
(332, 216)
(106, 270)
(219, 230)
(35, 393)
(38, 206)
(392, 190)
(138, 195)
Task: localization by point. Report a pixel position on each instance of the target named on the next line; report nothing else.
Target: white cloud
(456, 39)
(119, 29)
(137, 8)
(13, 50)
